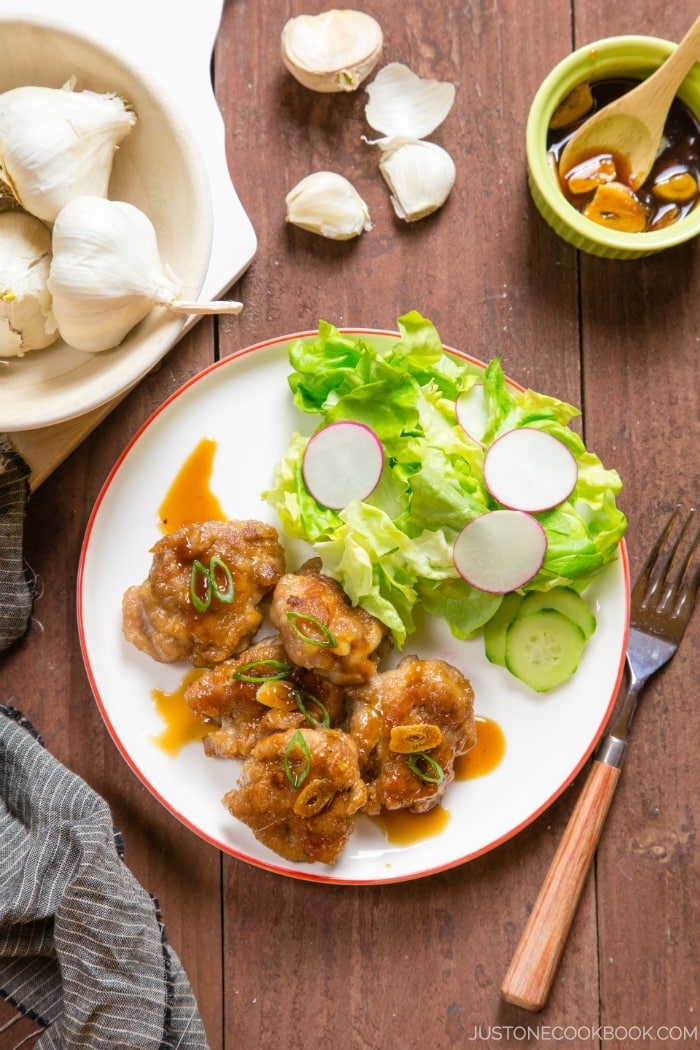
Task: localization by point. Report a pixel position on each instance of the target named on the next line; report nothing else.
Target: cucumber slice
(543, 649)
(495, 629)
(564, 600)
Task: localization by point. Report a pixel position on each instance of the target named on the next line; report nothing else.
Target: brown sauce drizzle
(190, 498)
(486, 754)
(181, 725)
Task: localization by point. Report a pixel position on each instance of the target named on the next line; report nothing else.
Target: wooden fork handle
(532, 969)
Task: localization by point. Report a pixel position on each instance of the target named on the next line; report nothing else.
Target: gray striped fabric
(82, 947)
(16, 598)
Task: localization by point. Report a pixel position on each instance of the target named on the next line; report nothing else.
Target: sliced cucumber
(495, 629)
(543, 649)
(564, 600)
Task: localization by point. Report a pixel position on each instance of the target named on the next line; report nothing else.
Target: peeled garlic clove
(26, 318)
(420, 176)
(328, 204)
(106, 274)
(402, 103)
(56, 144)
(333, 51)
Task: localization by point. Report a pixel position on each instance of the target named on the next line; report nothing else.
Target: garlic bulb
(106, 274)
(56, 144)
(420, 176)
(328, 204)
(333, 51)
(401, 103)
(26, 318)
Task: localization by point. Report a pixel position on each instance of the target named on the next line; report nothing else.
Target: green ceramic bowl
(633, 56)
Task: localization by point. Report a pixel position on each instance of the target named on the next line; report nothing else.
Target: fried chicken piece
(244, 711)
(419, 707)
(159, 615)
(322, 631)
(309, 821)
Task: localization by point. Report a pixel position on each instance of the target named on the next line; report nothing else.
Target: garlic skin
(420, 176)
(26, 318)
(402, 103)
(328, 204)
(106, 272)
(333, 51)
(57, 143)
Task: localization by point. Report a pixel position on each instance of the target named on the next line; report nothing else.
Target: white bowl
(158, 169)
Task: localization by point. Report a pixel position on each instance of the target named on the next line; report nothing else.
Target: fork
(662, 603)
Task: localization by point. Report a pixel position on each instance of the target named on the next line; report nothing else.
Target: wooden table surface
(279, 962)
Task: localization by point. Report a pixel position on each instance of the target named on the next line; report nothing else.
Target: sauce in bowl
(598, 186)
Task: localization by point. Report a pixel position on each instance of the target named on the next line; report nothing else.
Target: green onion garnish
(299, 695)
(329, 640)
(243, 674)
(199, 576)
(224, 594)
(423, 756)
(297, 779)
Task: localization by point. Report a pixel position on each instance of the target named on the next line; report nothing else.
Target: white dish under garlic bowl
(158, 169)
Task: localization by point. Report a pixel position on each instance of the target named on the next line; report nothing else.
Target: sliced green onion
(224, 594)
(299, 695)
(297, 779)
(200, 574)
(329, 640)
(243, 674)
(435, 767)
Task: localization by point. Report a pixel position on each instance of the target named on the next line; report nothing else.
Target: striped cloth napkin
(82, 948)
(16, 593)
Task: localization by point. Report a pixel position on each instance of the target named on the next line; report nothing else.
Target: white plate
(244, 404)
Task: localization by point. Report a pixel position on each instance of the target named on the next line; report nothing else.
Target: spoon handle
(668, 77)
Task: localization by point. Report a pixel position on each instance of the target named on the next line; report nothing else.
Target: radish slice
(342, 462)
(528, 469)
(472, 412)
(500, 551)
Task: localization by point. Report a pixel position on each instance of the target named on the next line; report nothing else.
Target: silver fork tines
(665, 592)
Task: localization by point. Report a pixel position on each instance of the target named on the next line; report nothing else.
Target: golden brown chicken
(410, 723)
(322, 631)
(299, 792)
(201, 599)
(258, 692)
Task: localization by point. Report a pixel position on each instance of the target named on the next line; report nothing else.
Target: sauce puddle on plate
(486, 754)
(181, 726)
(190, 498)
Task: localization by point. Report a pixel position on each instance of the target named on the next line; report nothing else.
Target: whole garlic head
(333, 51)
(26, 318)
(56, 144)
(105, 273)
(420, 176)
(328, 204)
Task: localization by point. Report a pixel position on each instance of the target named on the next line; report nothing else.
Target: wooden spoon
(630, 128)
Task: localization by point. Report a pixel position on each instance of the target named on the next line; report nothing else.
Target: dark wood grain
(277, 962)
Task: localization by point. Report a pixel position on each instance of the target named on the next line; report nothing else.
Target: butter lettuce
(392, 552)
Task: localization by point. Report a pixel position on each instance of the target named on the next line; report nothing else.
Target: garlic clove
(420, 176)
(26, 317)
(106, 274)
(333, 51)
(328, 204)
(57, 143)
(402, 103)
